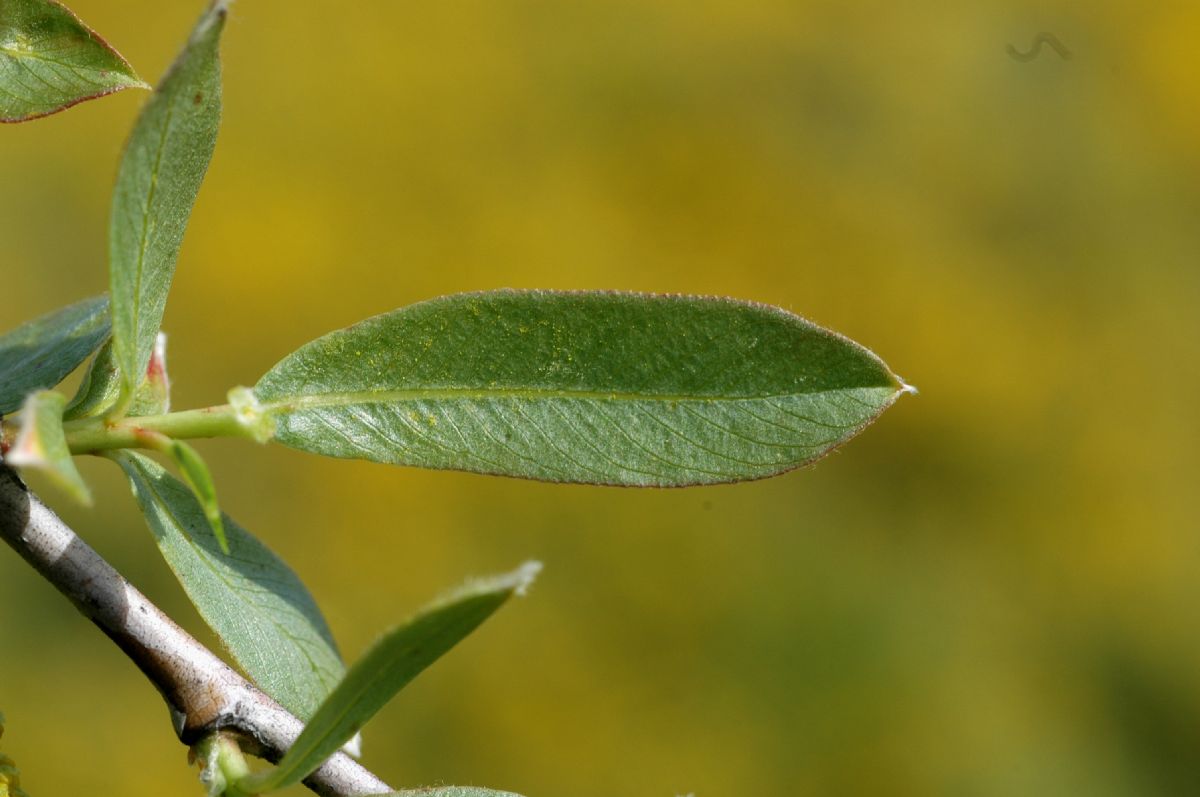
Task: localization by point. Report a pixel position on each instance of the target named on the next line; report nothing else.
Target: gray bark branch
(203, 693)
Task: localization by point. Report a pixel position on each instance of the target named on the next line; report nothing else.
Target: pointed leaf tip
(171, 145)
(525, 575)
(590, 387)
(40, 353)
(50, 60)
(42, 445)
(197, 476)
(517, 583)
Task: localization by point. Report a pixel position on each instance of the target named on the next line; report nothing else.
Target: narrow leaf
(41, 444)
(197, 476)
(605, 388)
(50, 60)
(250, 598)
(10, 776)
(388, 667)
(41, 353)
(160, 175)
(101, 385)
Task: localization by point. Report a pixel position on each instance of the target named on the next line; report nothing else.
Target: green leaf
(42, 352)
(50, 60)
(101, 385)
(41, 444)
(99, 389)
(197, 477)
(153, 395)
(450, 791)
(160, 175)
(250, 598)
(605, 388)
(388, 667)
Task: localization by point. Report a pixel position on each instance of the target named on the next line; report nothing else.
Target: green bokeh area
(993, 591)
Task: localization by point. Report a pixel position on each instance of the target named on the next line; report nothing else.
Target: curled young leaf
(99, 389)
(39, 354)
(605, 388)
(50, 60)
(157, 184)
(101, 385)
(391, 663)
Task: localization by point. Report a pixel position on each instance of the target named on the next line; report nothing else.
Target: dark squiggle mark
(1035, 49)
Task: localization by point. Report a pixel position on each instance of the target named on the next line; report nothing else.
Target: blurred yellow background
(995, 591)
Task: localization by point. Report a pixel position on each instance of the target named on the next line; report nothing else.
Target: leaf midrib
(322, 400)
(163, 506)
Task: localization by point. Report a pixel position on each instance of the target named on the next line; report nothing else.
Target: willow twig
(203, 693)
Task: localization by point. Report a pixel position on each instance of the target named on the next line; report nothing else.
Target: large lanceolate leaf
(250, 598)
(39, 354)
(391, 663)
(157, 184)
(605, 388)
(50, 60)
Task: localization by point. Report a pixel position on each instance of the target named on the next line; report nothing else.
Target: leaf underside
(50, 60)
(159, 179)
(252, 600)
(100, 388)
(385, 669)
(41, 353)
(606, 388)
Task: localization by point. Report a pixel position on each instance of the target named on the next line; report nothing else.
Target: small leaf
(388, 667)
(604, 388)
(41, 444)
(250, 598)
(101, 385)
(99, 389)
(197, 476)
(50, 60)
(41, 353)
(160, 175)
(153, 396)
(250, 415)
